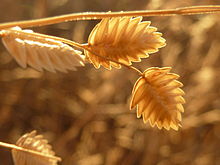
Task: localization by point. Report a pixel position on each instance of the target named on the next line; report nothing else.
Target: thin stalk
(46, 37)
(100, 15)
(86, 47)
(72, 43)
(12, 146)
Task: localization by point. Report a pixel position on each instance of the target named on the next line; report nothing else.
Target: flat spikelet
(37, 143)
(158, 98)
(124, 40)
(29, 48)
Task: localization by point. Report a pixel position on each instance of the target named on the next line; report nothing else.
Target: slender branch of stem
(74, 44)
(48, 37)
(12, 146)
(82, 46)
(86, 47)
(100, 15)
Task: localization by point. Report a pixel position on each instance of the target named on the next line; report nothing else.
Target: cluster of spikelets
(40, 52)
(122, 40)
(32, 149)
(112, 43)
(159, 98)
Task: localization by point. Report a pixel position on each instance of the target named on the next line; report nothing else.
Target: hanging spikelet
(40, 52)
(158, 98)
(124, 40)
(37, 143)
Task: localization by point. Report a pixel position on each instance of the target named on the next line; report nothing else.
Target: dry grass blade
(123, 40)
(36, 143)
(158, 98)
(39, 52)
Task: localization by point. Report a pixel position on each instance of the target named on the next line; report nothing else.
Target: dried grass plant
(32, 149)
(120, 39)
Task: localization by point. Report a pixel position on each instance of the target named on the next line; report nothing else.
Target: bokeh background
(85, 114)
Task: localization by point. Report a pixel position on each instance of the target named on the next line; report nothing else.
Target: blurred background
(85, 114)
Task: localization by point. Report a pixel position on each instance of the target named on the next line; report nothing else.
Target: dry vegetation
(85, 114)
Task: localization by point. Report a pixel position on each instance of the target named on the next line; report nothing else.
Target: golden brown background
(85, 114)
